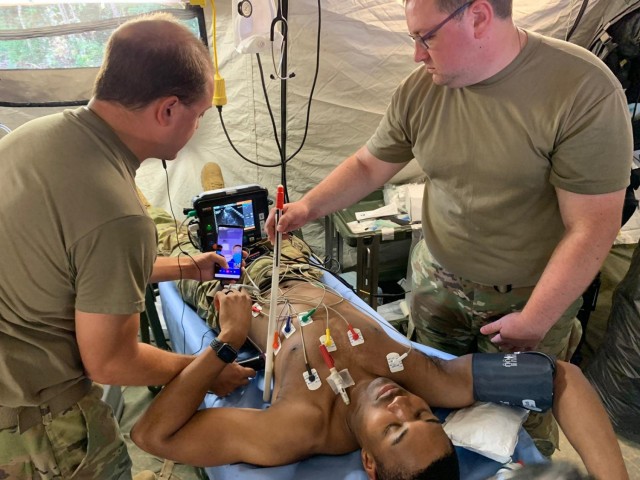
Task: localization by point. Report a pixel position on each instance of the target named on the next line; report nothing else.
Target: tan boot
(211, 176)
(145, 475)
(142, 198)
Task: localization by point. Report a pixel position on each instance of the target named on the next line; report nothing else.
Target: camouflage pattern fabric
(173, 240)
(83, 442)
(168, 229)
(448, 312)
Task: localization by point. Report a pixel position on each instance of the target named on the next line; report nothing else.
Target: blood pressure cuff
(523, 379)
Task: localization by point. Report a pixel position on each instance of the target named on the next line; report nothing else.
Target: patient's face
(398, 427)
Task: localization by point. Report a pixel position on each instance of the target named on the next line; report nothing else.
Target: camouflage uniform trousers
(294, 264)
(82, 442)
(448, 312)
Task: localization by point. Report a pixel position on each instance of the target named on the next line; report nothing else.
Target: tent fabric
(58, 85)
(39, 86)
(557, 17)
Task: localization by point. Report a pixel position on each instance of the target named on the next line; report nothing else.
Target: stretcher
(190, 334)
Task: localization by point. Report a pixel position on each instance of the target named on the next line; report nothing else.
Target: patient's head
(400, 437)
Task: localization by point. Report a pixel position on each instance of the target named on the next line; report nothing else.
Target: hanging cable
(571, 31)
(226, 133)
(273, 124)
(269, 109)
(281, 18)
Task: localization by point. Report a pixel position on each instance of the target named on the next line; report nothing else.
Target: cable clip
(256, 309)
(305, 318)
(355, 336)
(328, 342)
(277, 344)
(288, 328)
(312, 379)
(395, 361)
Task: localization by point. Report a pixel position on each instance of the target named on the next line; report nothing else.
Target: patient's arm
(584, 421)
(576, 407)
(172, 428)
(441, 383)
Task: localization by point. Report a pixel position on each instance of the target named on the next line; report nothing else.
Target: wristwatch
(225, 352)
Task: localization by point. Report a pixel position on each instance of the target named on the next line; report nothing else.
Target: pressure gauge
(245, 8)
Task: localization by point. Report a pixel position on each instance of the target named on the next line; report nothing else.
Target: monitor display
(244, 206)
(237, 214)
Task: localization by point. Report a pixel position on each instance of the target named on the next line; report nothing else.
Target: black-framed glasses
(424, 39)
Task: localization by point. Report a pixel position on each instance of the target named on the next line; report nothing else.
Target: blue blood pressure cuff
(523, 379)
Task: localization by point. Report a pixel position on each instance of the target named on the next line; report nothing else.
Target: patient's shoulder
(317, 426)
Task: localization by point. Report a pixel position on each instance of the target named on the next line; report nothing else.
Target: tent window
(68, 51)
(68, 35)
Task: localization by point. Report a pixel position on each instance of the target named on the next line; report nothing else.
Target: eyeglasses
(424, 39)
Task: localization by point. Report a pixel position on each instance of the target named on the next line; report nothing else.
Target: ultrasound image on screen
(238, 214)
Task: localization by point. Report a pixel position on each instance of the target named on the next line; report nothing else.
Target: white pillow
(486, 428)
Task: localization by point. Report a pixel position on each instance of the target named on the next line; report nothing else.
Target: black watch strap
(225, 352)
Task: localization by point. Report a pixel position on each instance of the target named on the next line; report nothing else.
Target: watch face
(225, 352)
(245, 8)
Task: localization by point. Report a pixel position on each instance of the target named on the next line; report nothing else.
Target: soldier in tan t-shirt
(83, 249)
(526, 145)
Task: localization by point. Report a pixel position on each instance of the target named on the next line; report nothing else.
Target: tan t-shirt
(494, 153)
(74, 236)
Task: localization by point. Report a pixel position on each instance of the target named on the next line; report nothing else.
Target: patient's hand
(234, 307)
(232, 377)
(234, 316)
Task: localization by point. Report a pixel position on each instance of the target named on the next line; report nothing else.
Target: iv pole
(281, 196)
(283, 98)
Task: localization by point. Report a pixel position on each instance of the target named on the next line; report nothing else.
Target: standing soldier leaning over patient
(526, 145)
(74, 273)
